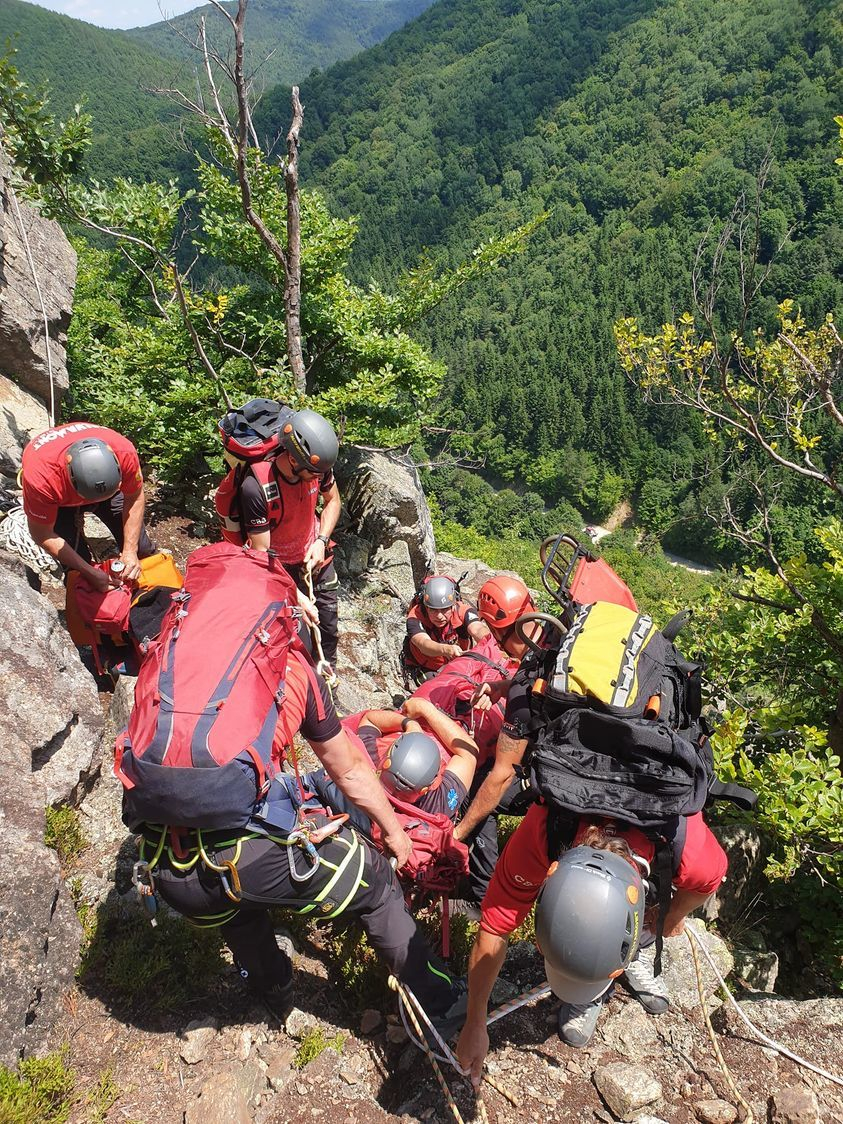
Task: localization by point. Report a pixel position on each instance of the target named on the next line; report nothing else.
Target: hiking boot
(467, 908)
(650, 990)
(278, 999)
(577, 1022)
(452, 1019)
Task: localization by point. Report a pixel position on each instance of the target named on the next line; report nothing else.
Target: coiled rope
(15, 537)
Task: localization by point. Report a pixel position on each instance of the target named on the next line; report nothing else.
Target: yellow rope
(721, 1061)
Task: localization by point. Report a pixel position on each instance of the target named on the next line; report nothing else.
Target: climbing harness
(15, 537)
(323, 668)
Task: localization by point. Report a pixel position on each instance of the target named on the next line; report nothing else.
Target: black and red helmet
(253, 431)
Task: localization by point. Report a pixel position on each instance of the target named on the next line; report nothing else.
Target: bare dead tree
(238, 134)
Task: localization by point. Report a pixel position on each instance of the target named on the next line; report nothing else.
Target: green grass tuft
(313, 1043)
(40, 1092)
(63, 832)
(160, 968)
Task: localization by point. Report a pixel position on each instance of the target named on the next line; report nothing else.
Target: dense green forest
(292, 36)
(636, 125)
(141, 134)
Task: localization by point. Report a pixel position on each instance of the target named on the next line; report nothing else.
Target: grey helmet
(93, 469)
(412, 765)
(311, 442)
(589, 917)
(439, 593)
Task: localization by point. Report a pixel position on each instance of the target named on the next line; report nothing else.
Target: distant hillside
(303, 34)
(136, 132)
(133, 129)
(636, 123)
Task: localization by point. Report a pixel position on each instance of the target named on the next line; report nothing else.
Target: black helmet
(589, 917)
(311, 442)
(93, 468)
(439, 593)
(412, 765)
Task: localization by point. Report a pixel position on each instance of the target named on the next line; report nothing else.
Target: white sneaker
(577, 1022)
(650, 990)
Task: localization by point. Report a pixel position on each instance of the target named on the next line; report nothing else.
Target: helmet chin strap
(642, 863)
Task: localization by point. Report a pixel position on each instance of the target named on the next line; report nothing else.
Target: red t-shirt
(46, 481)
(522, 868)
(297, 525)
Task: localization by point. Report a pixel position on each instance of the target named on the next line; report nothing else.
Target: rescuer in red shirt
(79, 467)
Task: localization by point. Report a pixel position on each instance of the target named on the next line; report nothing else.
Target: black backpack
(616, 731)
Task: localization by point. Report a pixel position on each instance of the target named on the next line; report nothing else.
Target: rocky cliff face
(50, 717)
(37, 278)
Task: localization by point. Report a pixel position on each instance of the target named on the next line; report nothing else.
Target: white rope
(777, 1046)
(25, 238)
(15, 536)
(447, 1056)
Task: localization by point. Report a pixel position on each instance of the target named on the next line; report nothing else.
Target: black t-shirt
(314, 728)
(516, 718)
(445, 798)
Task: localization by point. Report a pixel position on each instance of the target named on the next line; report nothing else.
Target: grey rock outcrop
(747, 850)
(37, 278)
(52, 744)
(384, 503)
(22, 416)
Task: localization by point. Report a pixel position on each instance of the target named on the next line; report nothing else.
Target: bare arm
(427, 646)
(384, 721)
(331, 509)
(58, 548)
(508, 754)
(478, 630)
(487, 957)
(133, 510)
(357, 781)
(462, 748)
(259, 540)
(682, 903)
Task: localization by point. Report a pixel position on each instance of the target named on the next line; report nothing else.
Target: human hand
(315, 555)
(308, 609)
(452, 651)
(472, 1048)
(131, 564)
(482, 698)
(415, 708)
(100, 580)
(399, 846)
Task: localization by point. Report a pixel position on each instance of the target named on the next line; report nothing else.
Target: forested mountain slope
(136, 131)
(303, 34)
(133, 128)
(635, 124)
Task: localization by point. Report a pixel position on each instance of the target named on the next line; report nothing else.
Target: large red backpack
(198, 749)
(452, 686)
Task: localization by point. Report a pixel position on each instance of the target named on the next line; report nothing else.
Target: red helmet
(502, 600)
